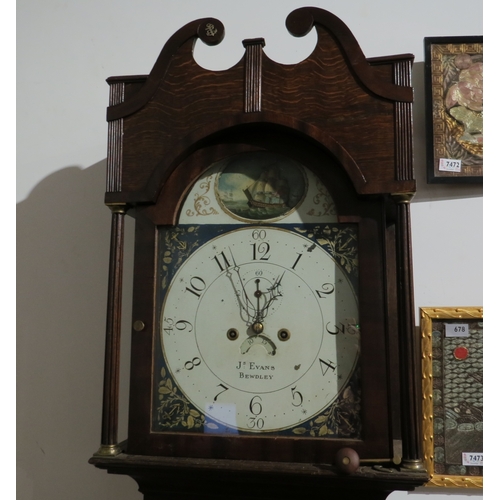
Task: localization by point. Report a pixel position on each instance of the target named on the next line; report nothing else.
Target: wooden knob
(347, 460)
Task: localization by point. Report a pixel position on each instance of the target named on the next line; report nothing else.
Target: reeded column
(109, 430)
(409, 372)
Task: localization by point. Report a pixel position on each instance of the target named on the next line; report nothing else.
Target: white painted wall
(66, 50)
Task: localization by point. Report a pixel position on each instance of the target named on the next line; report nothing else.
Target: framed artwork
(454, 109)
(452, 375)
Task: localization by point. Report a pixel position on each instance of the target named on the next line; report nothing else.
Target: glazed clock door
(258, 321)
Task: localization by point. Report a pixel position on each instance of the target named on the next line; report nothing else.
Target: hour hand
(271, 295)
(233, 273)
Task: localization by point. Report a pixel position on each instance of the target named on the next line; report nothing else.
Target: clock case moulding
(348, 119)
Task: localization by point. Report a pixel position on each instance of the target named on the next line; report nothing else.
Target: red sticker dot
(461, 352)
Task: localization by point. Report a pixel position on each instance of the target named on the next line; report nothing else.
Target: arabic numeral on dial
(261, 251)
(256, 405)
(224, 389)
(335, 329)
(254, 422)
(222, 261)
(181, 325)
(326, 366)
(259, 234)
(189, 365)
(326, 289)
(197, 285)
(297, 398)
(168, 325)
(299, 255)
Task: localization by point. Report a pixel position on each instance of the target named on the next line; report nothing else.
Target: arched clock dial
(259, 329)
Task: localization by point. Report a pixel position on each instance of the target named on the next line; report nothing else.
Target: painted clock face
(259, 329)
(258, 312)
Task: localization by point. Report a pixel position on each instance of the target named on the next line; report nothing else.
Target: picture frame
(454, 109)
(452, 390)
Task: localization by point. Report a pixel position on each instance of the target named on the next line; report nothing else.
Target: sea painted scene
(261, 186)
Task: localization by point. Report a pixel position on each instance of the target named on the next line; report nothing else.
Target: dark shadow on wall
(63, 232)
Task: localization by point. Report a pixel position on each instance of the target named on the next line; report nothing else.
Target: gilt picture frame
(454, 109)
(452, 389)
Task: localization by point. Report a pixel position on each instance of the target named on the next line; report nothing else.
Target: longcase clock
(273, 348)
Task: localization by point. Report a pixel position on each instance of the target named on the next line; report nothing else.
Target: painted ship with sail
(269, 191)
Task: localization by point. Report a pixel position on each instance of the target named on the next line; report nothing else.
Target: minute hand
(233, 273)
(274, 292)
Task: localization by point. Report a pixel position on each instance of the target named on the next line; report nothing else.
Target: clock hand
(245, 303)
(257, 325)
(258, 294)
(269, 297)
(274, 292)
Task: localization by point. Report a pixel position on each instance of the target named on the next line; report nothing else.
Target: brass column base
(413, 465)
(108, 450)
